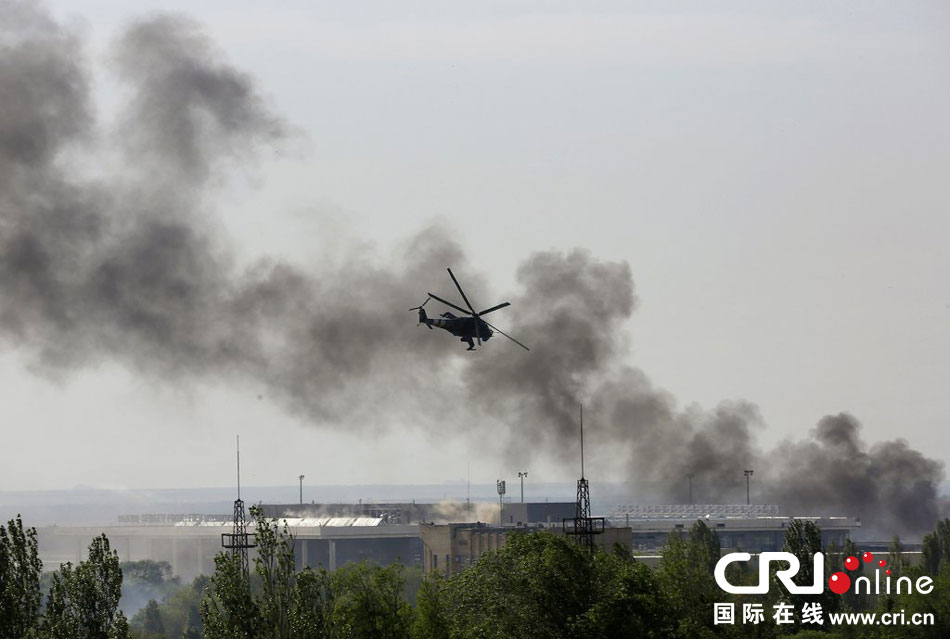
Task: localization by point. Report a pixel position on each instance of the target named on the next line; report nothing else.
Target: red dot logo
(882, 563)
(839, 583)
(887, 572)
(851, 563)
(867, 557)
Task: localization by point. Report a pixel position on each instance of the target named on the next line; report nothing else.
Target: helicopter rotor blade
(478, 336)
(447, 303)
(508, 336)
(494, 308)
(459, 287)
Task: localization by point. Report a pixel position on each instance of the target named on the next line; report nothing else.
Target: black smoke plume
(130, 268)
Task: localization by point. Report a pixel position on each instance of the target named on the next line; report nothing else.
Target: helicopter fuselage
(461, 327)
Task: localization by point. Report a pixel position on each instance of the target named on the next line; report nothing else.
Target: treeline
(537, 586)
(82, 600)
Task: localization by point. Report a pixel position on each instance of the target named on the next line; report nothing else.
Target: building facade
(751, 528)
(451, 548)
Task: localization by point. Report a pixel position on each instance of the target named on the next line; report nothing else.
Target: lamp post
(748, 474)
(500, 485)
(301, 490)
(522, 475)
(690, 478)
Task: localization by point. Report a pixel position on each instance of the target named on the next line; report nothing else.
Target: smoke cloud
(578, 306)
(132, 269)
(129, 268)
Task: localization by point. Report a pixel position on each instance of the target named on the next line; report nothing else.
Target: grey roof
(296, 522)
(694, 511)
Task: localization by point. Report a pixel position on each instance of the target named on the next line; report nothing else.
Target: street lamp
(500, 485)
(522, 475)
(690, 477)
(748, 473)
(301, 490)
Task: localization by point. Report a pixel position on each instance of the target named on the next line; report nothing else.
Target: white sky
(775, 174)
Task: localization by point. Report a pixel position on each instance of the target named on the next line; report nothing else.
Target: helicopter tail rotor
(423, 318)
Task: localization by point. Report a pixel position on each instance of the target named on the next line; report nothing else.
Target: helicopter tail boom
(423, 318)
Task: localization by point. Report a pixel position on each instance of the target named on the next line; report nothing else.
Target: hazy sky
(775, 174)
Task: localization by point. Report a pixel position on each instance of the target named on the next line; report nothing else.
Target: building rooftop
(294, 522)
(695, 511)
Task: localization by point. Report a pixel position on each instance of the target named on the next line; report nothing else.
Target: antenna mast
(238, 540)
(582, 525)
(582, 441)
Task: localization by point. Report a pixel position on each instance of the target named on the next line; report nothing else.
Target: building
(444, 512)
(751, 528)
(439, 537)
(538, 512)
(191, 543)
(389, 513)
(450, 548)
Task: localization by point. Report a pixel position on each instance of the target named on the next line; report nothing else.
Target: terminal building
(751, 528)
(190, 544)
(438, 537)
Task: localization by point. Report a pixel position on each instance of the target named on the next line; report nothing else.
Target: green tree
(20, 570)
(705, 542)
(274, 565)
(179, 612)
(228, 611)
(146, 571)
(626, 600)
(143, 581)
(83, 602)
(367, 602)
(541, 585)
(152, 626)
(936, 548)
(936, 603)
(803, 539)
(431, 610)
(310, 605)
(685, 575)
(935, 564)
(536, 585)
(930, 553)
(851, 600)
(942, 532)
(895, 557)
(355, 601)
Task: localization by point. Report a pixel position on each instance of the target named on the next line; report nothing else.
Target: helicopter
(470, 329)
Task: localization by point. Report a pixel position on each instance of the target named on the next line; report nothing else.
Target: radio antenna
(239, 540)
(239, 466)
(582, 526)
(582, 441)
